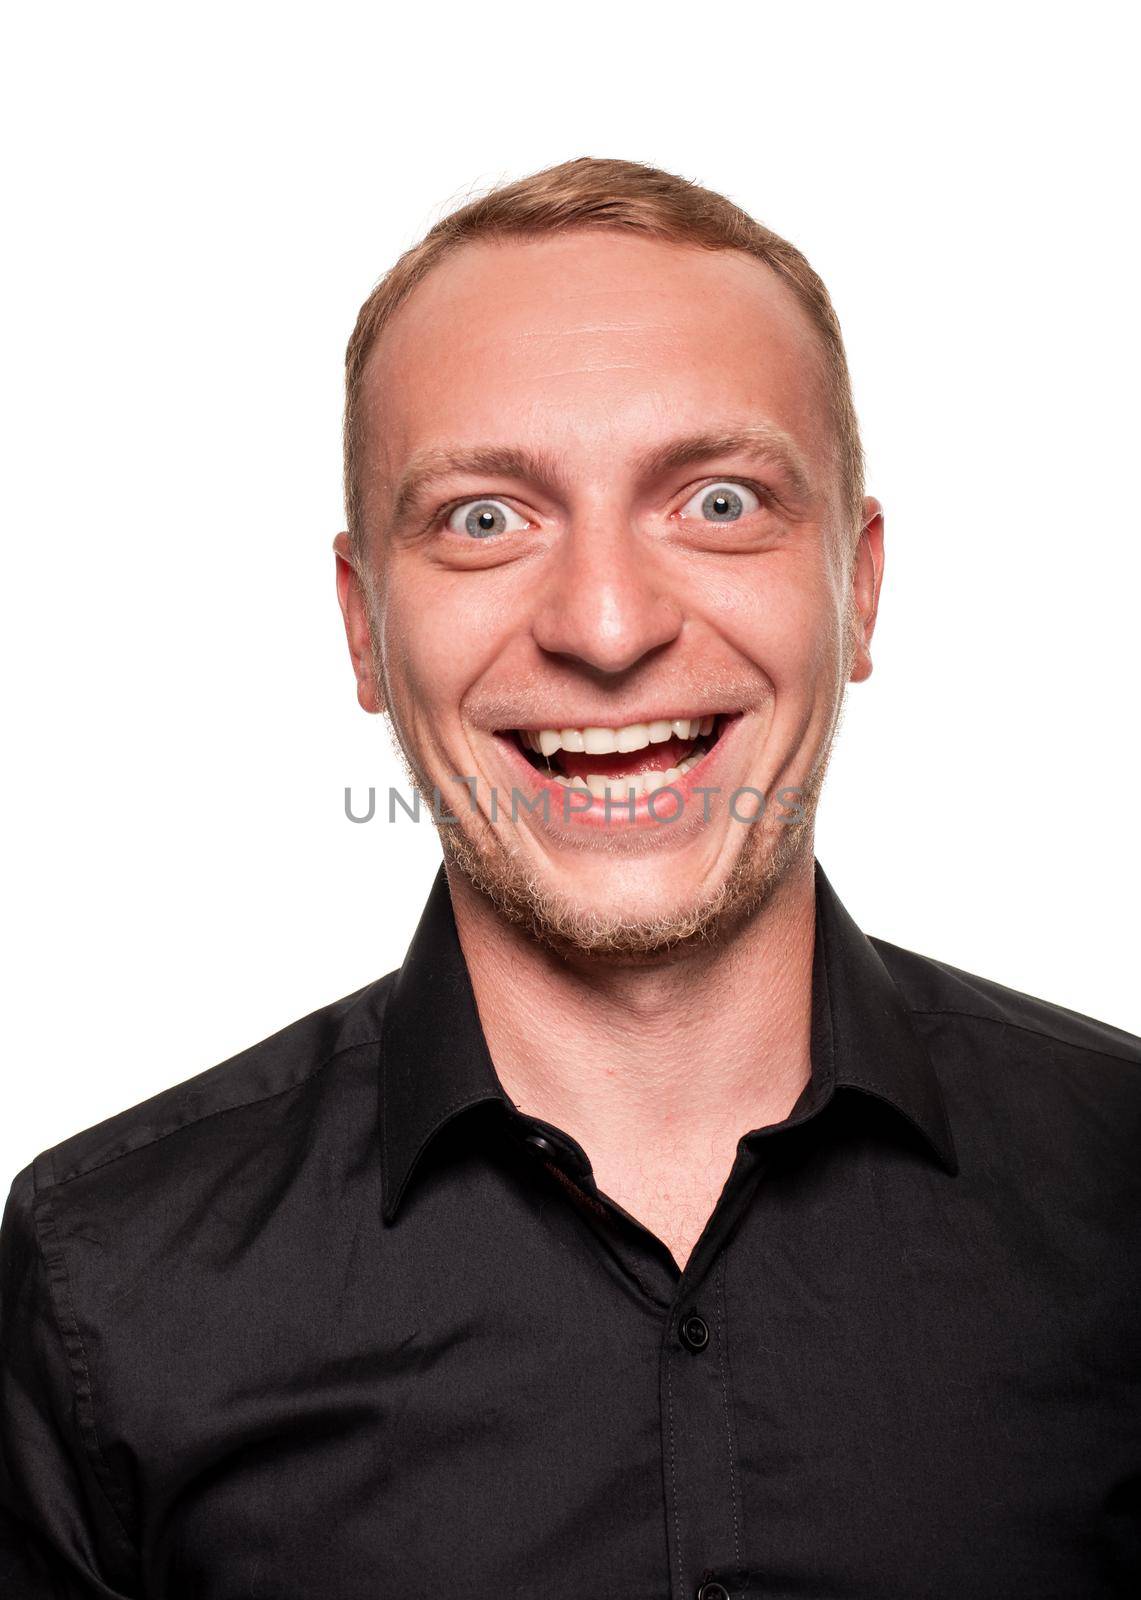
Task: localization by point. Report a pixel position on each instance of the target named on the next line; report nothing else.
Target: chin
(632, 922)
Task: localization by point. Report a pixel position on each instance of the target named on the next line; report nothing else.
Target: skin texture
(646, 988)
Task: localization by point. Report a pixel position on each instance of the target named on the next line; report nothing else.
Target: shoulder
(1014, 1066)
(197, 1212)
(981, 1006)
(210, 1116)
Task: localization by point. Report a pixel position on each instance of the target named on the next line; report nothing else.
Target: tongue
(654, 758)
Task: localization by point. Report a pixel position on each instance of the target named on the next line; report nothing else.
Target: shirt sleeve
(60, 1535)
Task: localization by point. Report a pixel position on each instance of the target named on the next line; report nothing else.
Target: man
(652, 1231)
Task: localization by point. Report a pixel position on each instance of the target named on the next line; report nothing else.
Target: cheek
(440, 632)
(781, 614)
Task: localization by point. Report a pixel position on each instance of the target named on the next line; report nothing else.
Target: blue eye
(481, 519)
(723, 502)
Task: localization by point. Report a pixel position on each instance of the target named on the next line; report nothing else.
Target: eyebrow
(761, 440)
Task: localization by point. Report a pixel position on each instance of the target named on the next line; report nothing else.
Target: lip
(621, 814)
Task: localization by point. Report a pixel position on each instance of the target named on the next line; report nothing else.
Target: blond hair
(594, 193)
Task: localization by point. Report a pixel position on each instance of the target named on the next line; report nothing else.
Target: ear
(867, 575)
(354, 609)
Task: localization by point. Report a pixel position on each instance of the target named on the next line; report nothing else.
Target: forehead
(591, 341)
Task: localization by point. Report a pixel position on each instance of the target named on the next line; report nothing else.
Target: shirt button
(713, 1591)
(543, 1146)
(694, 1334)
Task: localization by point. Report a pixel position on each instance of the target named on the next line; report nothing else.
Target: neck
(677, 1057)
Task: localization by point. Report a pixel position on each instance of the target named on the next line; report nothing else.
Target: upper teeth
(606, 741)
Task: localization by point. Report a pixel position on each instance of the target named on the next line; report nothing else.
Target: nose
(605, 601)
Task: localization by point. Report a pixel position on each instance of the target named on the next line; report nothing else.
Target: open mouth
(634, 760)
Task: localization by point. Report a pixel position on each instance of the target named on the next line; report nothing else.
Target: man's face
(649, 530)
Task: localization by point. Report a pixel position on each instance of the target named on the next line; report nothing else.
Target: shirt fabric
(334, 1320)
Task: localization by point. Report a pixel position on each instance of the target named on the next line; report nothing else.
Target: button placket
(639, 1254)
(700, 1475)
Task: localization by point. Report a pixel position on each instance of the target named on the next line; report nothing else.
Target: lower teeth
(638, 783)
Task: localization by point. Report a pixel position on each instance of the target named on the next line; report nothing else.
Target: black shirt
(333, 1320)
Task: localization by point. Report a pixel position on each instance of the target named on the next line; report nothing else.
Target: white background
(200, 196)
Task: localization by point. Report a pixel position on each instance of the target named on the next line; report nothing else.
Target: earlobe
(358, 634)
(867, 577)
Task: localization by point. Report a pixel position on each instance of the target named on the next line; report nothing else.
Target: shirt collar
(435, 1064)
(863, 1037)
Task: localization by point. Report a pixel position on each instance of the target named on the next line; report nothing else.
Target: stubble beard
(553, 919)
(497, 870)
(773, 848)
